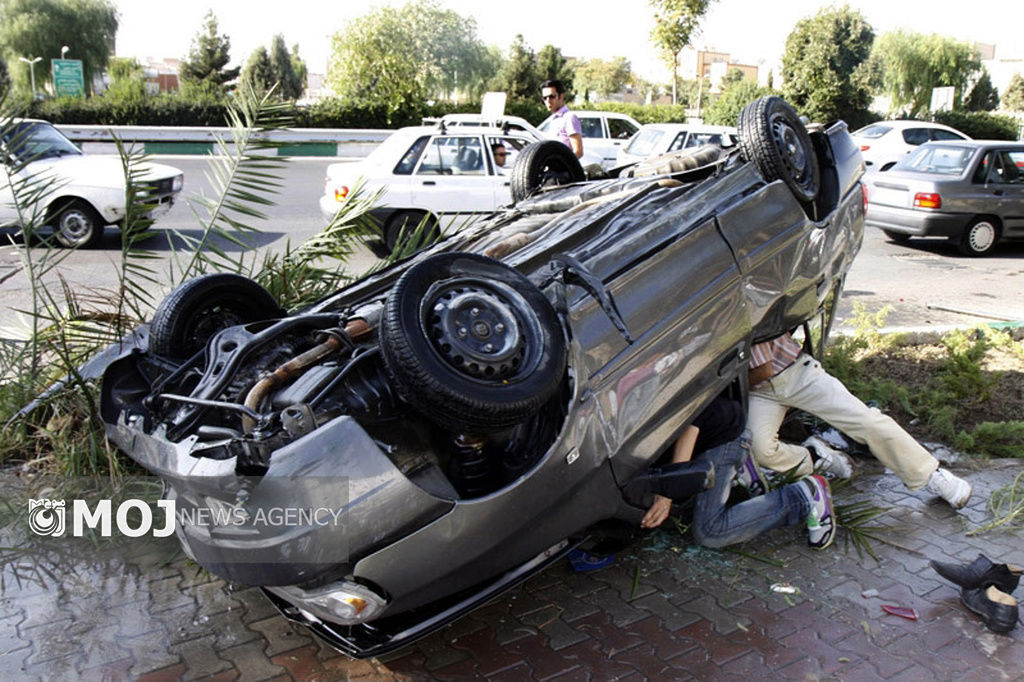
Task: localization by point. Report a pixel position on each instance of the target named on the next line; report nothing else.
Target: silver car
(971, 192)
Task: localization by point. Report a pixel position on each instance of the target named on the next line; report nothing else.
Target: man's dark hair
(553, 83)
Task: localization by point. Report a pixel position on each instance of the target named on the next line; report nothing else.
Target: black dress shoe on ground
(980, 573)
(998, 609)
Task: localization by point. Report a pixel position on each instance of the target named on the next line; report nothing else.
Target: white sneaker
(830, 460)
(952, 489)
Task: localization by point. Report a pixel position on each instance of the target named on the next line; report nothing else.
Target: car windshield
(872, 132)
(644, 142)
(35, 140)
(937, 159)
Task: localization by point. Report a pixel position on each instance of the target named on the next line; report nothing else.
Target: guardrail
(341, 142)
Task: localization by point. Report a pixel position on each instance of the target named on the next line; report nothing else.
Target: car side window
(940, 134)
(1005, 168)
(452, 156)
(591, 127)
(678, 143)
(409, 159)
(620, 129)
(915, 135)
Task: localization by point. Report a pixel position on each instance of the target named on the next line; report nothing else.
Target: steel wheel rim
(75, 225)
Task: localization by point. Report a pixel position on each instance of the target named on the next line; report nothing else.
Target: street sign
(943, 98)
(67, 77)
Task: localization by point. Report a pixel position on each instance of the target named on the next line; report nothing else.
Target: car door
(620, 132)
(1005, 188)
(677, 286)
(453, 178)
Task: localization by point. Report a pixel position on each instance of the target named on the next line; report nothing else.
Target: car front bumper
(916, 222)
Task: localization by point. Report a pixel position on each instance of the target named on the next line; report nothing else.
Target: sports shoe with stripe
(821, 523)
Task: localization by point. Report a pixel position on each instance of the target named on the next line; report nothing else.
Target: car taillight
(340, 193)
(865, 147)
(927, 200)
(864, 193)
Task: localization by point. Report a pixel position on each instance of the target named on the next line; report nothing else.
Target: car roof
(975, 143)
(900, 124)
(412, 131)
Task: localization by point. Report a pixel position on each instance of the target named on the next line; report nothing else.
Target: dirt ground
(916, 367)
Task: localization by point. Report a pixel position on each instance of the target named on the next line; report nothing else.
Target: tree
(908, 66)
(983, 95)
(300, 69)
(407, 54)
(733, 75)
(519, 75)
(823, 71)
(602, 78)
(725, 110)
(1013, 96)
(39, 28)
(205, 65)
(675, 23)
(5, 78)
(127, 79)
(258, 72)
(551, 64)
(282, 71)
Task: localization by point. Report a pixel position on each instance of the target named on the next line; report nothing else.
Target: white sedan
(660, 138)
(884, 143)
(447, 175)
(604, 133)
(78, 194)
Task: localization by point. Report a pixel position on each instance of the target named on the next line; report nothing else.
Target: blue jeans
(716, 525)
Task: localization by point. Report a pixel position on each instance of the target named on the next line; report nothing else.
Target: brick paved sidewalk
(664, 610)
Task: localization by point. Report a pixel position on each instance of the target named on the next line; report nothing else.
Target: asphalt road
(926, 282)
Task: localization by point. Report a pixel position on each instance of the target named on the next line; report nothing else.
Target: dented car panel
(468, 415)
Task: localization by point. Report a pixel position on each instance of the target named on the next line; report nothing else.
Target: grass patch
(965, 390)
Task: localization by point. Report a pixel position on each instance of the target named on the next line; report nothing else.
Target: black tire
(773, 138)
(897, 237)
(458, 379)
(543, 164)
(405, 222)
(199, 308)
(76, 224)
(980, 237)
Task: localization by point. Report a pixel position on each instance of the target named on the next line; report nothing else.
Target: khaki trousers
(806, 386)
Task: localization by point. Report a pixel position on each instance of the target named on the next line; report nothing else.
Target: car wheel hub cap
(792, 151)
(476, 332)
(75, 225)
(981, 237)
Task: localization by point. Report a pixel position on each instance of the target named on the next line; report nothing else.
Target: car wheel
(897, 237)
(403, 223)
(199, 308)
(76, 224)
(543, 164)
(773, 138)
(470, 343)
(980, 237)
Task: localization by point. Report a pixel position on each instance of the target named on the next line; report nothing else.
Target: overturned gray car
(451, 425)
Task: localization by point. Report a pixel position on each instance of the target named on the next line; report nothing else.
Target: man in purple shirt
(565, 126)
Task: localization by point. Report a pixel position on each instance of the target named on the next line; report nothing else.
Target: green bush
(980, 125)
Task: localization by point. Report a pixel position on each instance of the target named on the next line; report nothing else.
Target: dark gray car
(449, 426)
(971, 192)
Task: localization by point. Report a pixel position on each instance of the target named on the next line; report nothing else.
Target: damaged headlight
(344, 602)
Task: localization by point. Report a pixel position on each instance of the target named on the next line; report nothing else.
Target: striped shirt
(781, 351)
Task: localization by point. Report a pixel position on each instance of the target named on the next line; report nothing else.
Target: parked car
(884, 143)
(447, 175)
(604, 133)
(661, 138)
(507, 123)
(472, 413)
(83, 193)
(971, 192)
